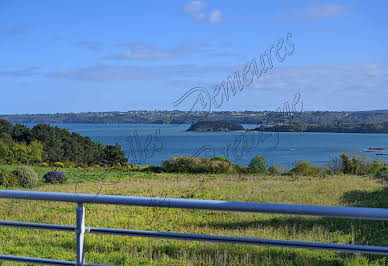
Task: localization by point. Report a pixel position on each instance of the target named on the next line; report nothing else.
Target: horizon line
(129, 111)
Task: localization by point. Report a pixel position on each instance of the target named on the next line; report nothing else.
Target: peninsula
(210, 126)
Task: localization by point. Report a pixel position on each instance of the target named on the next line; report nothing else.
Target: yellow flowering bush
(59, 164)
(69, 164)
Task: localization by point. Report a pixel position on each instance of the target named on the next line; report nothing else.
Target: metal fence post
(80, 231)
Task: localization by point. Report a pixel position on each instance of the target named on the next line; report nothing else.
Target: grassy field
(121, 250)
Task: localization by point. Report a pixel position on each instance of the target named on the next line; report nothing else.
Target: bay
(147, 144)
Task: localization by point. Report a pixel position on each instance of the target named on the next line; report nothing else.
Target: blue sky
(87, 56)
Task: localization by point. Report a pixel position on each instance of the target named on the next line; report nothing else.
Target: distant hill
(178, 117)
(328, 127)
(209, 126)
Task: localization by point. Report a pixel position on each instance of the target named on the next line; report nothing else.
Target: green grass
(121, 250)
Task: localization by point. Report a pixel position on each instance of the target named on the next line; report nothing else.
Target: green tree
(6, 155)
(6, 139)
(20, 152)
(5, 126)
(258, 165)
(35, 151)
(347, 164)
(113, 155)
(21, 133)
(50, 137)
(59, 145)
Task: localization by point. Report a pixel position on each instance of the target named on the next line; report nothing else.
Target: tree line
(328, 127)
(45, 143)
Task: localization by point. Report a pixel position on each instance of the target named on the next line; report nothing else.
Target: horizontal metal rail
(215, 205)
(55, 227)
(80, 228)
(43, 261)
(243, 240)
(210, 238)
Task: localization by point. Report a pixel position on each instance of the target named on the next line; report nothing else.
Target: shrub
(217, 166)
(382, 173)
(375, 168)
(59, 164)
(179, 164)
(136, 167)
(6, 155)
(44, 164)
(188, 164)
(69, 164)
(117, 166)
(96, 166)
(361, 164)
(155, 169)
(276, 169)
(358, 165)
(81, 165)
(20, 152)
(35, 151)
(221, 159)
(241, 170)
(258, 165)
(8, 179)
(334, 167)
(54, 177)
(27, 177)
(304, 168)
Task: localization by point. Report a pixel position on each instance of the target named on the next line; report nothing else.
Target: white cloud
(195, 9)
(215, 17)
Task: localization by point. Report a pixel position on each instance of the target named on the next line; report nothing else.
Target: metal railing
(80, 229)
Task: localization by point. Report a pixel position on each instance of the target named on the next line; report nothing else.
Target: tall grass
(336, 190)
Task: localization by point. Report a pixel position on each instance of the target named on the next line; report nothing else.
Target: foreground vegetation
(335, 190)
(26, 177)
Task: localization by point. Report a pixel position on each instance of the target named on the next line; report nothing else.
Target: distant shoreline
(222, 126)
(371, 128)
(188, 117)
